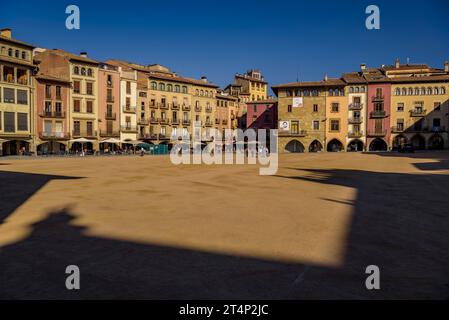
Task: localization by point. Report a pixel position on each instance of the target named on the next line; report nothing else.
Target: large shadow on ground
(400, 223)
(440, 159)
(17, 187)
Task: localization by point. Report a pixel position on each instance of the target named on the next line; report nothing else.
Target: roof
(12, 40)
(75, 57)
(266, 101)
(322, 83)
(182, 80)
(52, 78)
(435, 78)
(247, 77)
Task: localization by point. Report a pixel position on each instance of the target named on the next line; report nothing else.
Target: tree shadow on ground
(400, 223)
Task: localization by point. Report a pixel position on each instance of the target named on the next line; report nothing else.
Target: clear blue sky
(218, 39)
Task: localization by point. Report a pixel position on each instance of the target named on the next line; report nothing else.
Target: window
(8, 95)
(177, 88)
(331, 92)
(298, 92)
(436, 123)
(423, 91)
(17, 54)
(335, 107)
(295, 127)
(362, 89)
(437, 106)
(153, 85)
(22, 97)
(400, 124)
(169, 88)
(76, 106)
(184, 89)
(89, 72)
(436, 90)
(351, 89)
(404, 91)
(24, 55)
(316, 125)
(22, 121)
(10, 122)
(89, 88)
(410, 91)
(58, 92)
(357, 89)
(379, 92)
(289, 108)
(400, 107)
(128, 87)
(288, 93)
(443, 90)
(76, 70)
(397, 92)
(9, 54)
(162, 86)
(83, 71)
(416, 91)
(315, 108)
(89, 127)
(335, 125)
(89, 106)
(255, 108)
(76, 87)
(429, 91)
(76, 127)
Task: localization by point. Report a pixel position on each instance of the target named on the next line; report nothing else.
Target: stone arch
(294, 146)
(335, 145)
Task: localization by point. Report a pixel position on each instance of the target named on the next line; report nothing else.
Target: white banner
(284, 125)
(297, 102)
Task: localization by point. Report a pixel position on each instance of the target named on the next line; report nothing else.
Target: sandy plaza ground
(141, 227)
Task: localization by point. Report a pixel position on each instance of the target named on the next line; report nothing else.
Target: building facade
(16, 95)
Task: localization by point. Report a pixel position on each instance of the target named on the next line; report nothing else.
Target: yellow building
(337, 115)
(16, 95)
(252, 84)
(419, 105)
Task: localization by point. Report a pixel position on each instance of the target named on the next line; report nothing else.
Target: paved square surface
(144, 228)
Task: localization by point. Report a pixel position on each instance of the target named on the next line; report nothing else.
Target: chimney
(83, 54)
(326, 77)
(363, 67)
(204, 79)
(6, 33)
(446, 66)
(397, 64)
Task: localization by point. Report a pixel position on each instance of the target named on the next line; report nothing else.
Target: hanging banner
(297, 102)
(284, 125)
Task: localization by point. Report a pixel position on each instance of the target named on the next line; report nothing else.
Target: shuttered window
(8, 95)
(22, 97)
(22, 121)
(10, 122)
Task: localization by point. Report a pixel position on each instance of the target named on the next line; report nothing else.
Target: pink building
(52, 114)
(378, 115)
(108, 103)
(261, 114)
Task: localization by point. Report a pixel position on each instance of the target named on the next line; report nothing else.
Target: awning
(111, 140)
(133, 142)
(80, 140)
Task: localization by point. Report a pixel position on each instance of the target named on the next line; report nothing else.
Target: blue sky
(218, 39)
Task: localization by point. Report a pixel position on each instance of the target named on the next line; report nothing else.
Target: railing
(300, 133)
(397, 129)
(225, 122)
(185, 107)
(418, 113)
(163, 105)
(110, 116)
(217, 121)
(142, 121)
(208, 124)
(163, 121)
(109, 133)
(355, 134)
(148, 136)
(355, 120)
(186, 122)
(52, 114)
(378, 114)
(129, 109)
(198, 108)
(154, 120)
(129, 129)
(153, 105)
(175, 121)
(175, 106)
(162, 136)
(377, 132)
(209, 109)
(377, 98)
(22, 81)
(54, 135)
(85, 134)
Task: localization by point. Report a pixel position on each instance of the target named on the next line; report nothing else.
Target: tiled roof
(75, 57)
(17, 42)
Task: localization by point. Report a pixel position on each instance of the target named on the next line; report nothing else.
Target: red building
(261, 114)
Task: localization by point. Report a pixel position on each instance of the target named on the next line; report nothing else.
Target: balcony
(208, 123)
(162, 136)
(129, 129)
(397, 129)
(153, 105)
(198, 108)
(377, 98)
(148, 136)
(143, 121)
(52, 114)
(377, 133)
(110, 116)
(84, 134)
(110, 99)
(163, 121)
(217, 121)
(224, 122)
(129, 109)
(154, 120)
(54, 135)
(175, 121)
(378, 114)
(175, 106)
(163, 105)
(185, 107)
(418, 113)
(209, 109)
(186, 122)
(355, 134)
(355, 106)
(300, 133)
(355, 120)
(109, 133)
